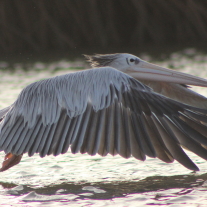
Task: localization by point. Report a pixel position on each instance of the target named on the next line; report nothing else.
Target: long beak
(148, 71)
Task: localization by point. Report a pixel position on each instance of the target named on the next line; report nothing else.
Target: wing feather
(193, 124)
(17, 132)
(12, 132)
(136, 148)
(110, 131)
(102, 111)
(44, 150)
(160, 149)
(190, 131)
(186, 140)
(4, 111)
(43, 139)
(93, 146)
(58, 131)
(33, 148)
(120, 145)
(32, 137)
(69, 135)
(73, 135)
(20, 146)
(102, 150)
(59, 146)
(174, 148)
(90, 133)
(78, 143)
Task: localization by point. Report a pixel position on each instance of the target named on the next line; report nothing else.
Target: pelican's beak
(151, 72)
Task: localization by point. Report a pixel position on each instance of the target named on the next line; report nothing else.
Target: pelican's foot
(10, 160)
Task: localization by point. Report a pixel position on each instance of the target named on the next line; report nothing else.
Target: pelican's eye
(132, 61)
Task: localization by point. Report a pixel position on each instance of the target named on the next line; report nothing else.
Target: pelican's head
(121, 61)
(142, 70)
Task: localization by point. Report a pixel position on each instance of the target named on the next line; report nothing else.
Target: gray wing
(178, 92)
(3, 112)
(102, 111)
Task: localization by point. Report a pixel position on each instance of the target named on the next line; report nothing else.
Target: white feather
(71, 91)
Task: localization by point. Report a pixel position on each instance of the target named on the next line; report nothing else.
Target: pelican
(110, 109)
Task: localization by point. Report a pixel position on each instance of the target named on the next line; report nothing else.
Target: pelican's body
(104, 111)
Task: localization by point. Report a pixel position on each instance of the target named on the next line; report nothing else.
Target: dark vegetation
(37, 26)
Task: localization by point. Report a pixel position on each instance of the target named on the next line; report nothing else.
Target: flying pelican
(106, 111)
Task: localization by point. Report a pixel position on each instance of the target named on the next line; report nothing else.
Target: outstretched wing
(102, 111)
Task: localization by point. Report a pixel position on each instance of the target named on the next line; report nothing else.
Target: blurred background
(52, 28)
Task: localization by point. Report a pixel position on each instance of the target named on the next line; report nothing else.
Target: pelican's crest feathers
(101, 60)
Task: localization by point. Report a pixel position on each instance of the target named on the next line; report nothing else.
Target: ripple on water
(33, 196)
(94, 189)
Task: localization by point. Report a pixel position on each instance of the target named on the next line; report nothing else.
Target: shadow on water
(104, 190)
